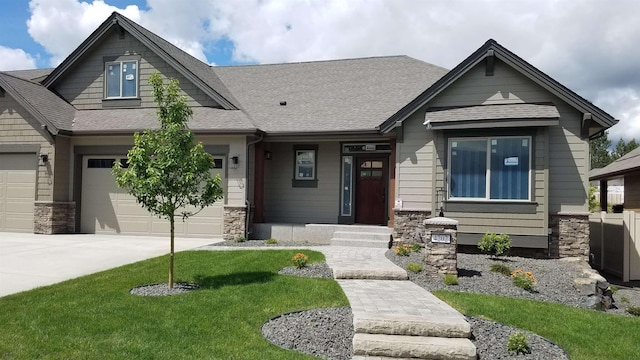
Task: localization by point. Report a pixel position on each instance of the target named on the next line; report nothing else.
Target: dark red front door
(371, 180)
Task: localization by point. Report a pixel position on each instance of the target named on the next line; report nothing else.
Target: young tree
(168, 174)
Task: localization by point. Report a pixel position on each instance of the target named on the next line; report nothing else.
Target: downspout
(246, 188)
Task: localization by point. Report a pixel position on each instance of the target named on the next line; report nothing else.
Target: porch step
(412, 347)
(370, 273)
(378, 239)
(439, 324)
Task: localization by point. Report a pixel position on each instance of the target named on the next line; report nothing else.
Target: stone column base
(54, 217)
(406, 223)
(570, 235)
(235, 218)
(441, 255)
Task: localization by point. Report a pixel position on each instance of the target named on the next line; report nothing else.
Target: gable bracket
(489, 63)
(587, 118)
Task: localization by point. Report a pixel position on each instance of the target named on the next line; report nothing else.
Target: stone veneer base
(570, 235)
(406, 223)
(54, 217)
(235, 218)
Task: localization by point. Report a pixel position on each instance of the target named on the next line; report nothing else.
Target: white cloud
(589, 46)
(61, 25)
(15, 59)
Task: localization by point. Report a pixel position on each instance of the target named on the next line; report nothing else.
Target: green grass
(95, 317)
(584, 334)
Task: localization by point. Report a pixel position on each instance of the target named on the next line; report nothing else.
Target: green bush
(495, 244)
(239, 239)
(501, 269)
(594, 203)
(416, 247)
(272, 241)
(523, 280)
(614, 289)
(635, 311)
(402, 250)
(518, 344)
(414, 267)
(299, 260)
(624, 299)
(450, 279)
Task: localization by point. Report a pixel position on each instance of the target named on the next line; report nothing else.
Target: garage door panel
(17, 192)
(102, 199)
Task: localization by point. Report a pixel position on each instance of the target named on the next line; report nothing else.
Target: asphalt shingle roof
(629, 162)
(130, 120)
(328, 96)
(40, 102)
(35, 75)
(493, 112)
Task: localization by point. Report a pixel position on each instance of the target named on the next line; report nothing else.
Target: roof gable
(199, 73)
(50, 110)
(490, 49)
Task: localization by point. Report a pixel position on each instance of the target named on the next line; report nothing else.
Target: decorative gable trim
(491, 49)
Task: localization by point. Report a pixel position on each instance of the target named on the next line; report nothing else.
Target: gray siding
(560, 157)
(632, 191)
(61, 179)
(287, 204)
(83, 86)
(18, 127)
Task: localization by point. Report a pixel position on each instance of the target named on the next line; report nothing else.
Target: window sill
(304, 183)
(121, 102)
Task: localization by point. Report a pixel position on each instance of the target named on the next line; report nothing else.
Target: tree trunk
(172, 221)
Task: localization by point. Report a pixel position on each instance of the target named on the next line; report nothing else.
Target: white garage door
(107, 209)
(17, 191)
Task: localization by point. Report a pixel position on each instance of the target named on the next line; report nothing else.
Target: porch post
(392, 182)
(258, 184)
(604, 195)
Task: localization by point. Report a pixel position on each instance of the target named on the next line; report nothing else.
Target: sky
(590, 46)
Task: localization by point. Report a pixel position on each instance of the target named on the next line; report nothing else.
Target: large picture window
(121, 79)
(490, 168)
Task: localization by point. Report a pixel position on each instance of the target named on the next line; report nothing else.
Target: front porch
(318, 234)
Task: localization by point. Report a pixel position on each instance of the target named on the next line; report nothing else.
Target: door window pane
(347, 169)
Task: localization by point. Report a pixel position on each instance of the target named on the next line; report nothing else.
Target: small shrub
(299, 260)
(416, 247)
(450, 279)
(402, 250)
(272, 241)
(614, 289)
(523, 279)
(239, 239)
(501, 269)
(414, 267)
(624, 299)
(495, 244)
(635, 311)
(518, 344)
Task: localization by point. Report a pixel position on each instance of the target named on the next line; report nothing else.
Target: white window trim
(106, 79)
(488, 173)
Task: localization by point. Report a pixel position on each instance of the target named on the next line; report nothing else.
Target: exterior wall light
(43, 159)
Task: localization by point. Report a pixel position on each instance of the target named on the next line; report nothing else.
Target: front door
(371, 180)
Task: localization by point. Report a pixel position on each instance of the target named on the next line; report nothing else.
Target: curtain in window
(468, 168)
(510, 168)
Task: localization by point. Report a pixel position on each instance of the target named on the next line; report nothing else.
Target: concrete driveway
(28, 261)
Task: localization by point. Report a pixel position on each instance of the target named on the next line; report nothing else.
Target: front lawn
(95, 317)
(584, 334)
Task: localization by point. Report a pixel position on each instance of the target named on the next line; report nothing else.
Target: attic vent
(283, 103)
(489, 63)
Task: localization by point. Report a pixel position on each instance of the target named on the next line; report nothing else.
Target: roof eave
(514, 61)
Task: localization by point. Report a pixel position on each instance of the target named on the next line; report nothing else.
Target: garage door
(107, 209)
(17, 191)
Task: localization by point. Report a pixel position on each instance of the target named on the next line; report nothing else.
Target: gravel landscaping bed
(315, 270)
(163, 289)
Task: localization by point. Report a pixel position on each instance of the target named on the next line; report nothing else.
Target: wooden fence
(615, 243)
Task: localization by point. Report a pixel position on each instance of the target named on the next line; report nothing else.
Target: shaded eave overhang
(492, 48)
(195, 131)
(614, 174)
(43, 120)
(491, 123)
(117, 20)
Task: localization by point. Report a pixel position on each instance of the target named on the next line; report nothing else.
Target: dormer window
(121, 79)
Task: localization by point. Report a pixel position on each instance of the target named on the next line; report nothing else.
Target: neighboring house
(494, 143)
(626, 168)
